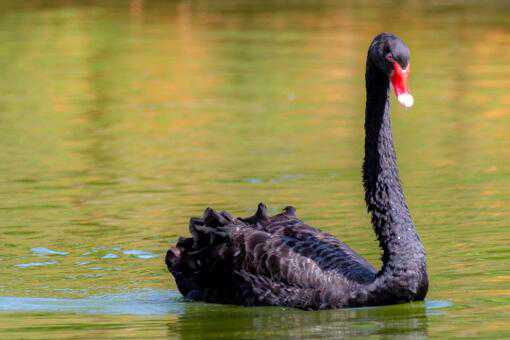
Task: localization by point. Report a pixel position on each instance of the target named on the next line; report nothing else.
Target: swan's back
(264, 260)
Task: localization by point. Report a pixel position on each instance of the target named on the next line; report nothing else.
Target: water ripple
(142, 302)
(141, 254)
(45, 251)
(36, 264)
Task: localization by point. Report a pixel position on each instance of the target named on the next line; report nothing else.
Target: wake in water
(139, 302)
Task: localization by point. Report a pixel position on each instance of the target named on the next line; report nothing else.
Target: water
(119, 122)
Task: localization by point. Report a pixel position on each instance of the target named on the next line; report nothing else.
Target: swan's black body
(279, 260)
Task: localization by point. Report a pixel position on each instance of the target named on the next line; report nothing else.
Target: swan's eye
(389, 57)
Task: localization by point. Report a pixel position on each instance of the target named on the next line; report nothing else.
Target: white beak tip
(406, 99)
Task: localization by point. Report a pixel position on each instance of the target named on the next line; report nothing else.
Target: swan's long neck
(401, 245)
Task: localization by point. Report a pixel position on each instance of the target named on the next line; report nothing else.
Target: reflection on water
(198, 320)
(120, 121)
(409, 320)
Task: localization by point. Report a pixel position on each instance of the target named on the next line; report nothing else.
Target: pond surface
(117, 123)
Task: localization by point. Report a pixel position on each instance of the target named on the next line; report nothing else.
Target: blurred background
(119, 120)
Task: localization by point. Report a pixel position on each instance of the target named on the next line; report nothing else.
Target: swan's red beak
(399, 82)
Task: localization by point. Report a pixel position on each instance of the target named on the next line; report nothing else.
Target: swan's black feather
(262, 260)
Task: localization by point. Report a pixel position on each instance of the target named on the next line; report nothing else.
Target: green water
(118, 122)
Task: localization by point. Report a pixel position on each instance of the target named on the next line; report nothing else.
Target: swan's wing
(325, 250)
(275, 260)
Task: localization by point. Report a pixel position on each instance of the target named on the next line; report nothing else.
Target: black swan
(278, 260)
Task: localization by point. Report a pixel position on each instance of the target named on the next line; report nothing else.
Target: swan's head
(391, 55)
